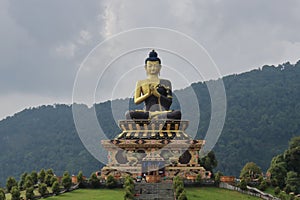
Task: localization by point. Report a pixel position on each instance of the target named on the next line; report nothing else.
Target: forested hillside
(263, 113)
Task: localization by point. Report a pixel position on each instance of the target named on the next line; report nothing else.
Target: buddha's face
(152, 67)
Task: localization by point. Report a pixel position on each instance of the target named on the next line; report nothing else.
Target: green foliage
(182, 196)
(278, 173)
(66, 181)
(209, 162)
(15, 193)
(48, 179)
(198, 178)
(29, 193)
(22, 181)
(94, 181)
(53, 179)
(28, 182)
(129, 188)
(250, 171)
(34, 177)
(41, 176)
(50, 172)
(177, 182)
(243, 184)
(111, 182)
(263, 113)
(178, 187)
(292, 155)
(128, 193)
(42, 188)
(55, 188)
(283, 166)
(43, 137)
(294, 143)
(179, 190)
(2, 194)
(80, 177)
(277, 190)
(293, 180)
(91, 194)
(10, 183)
(263, 185)
(218, 178)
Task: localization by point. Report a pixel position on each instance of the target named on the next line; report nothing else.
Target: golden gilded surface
(145, 88)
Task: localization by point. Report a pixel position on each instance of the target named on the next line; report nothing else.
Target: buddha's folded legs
(174, 114)
(136, 115)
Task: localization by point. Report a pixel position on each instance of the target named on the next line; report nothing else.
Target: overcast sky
(43, 43)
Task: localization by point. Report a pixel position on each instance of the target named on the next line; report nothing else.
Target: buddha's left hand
(154, 91)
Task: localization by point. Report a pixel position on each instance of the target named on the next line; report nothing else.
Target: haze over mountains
(263, 114)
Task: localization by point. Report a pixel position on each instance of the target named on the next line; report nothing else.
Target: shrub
(55, 188)
(15, 193)
(66, 181)
(94, 181)
(243, 184)
(29, 193)
(2, 194)
(263, 185)
(43, 189)
(277, 190)
(111, 182)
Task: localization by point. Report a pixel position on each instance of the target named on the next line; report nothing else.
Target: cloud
(44, 42)
(238, 35)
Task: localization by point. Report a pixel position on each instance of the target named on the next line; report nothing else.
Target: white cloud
(85, 37)
(66, 50)
(44, 42)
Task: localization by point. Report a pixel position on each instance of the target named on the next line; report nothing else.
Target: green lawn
(89, 194)
(207, 193)
(211, 193)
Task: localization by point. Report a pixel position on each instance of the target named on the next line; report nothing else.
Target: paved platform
(154, 191)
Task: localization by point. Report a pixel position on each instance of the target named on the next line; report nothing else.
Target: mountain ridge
(262, 116)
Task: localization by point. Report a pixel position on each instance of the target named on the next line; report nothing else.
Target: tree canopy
(263, 114)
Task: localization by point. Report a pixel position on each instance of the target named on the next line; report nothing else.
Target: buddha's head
(152, 64)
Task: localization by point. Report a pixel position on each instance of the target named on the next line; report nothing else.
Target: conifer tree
(42, 189)
(66, 181)
(29, 193)
(55, 188)
(10, 183)
(15, 193)
(41, 176)
(34, 177)
(2, 194)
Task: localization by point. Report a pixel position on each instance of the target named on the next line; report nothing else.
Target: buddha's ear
(146, 69)
(159, 69)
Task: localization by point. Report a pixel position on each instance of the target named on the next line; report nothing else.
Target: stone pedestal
(153, 148)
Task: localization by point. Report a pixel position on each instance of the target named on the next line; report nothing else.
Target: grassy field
(206, 193)
(211, 193)
(97, 194)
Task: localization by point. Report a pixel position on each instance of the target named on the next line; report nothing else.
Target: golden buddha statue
(156, 93)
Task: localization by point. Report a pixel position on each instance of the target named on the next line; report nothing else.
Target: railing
(253, 191)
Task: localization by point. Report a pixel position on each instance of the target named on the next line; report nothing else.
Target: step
(154, 191)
